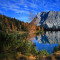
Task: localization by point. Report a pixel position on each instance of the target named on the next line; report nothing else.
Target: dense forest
(11, 23)
(14, 24)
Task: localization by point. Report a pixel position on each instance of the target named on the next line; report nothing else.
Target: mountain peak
(50, 18)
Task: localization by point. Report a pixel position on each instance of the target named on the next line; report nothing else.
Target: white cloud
(24, 6)
(14, 7)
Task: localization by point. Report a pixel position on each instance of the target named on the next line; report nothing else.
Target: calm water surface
(47, 41)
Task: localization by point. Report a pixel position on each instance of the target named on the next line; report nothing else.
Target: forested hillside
(14, 24)
(11, 23)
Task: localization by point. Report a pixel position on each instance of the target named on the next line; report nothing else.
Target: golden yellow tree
(20, 27)
(12, 26)
(42, 29)
(31, 31)
(39, 28)
(7, 23)
(15, 28)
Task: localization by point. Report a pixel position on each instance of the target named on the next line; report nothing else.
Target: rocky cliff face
(51, 18)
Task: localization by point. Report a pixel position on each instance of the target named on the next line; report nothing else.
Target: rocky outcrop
(51, 18)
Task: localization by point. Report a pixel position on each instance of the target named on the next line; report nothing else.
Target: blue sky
(20, 9)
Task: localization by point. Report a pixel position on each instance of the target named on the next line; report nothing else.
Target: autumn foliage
(31, 31)
(20, 27)
(6, 22)
(12, 26)
(16, 25)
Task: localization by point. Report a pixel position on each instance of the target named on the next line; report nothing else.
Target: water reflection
(49, 37)
(47, 41)
(53, 37)
(47, 46)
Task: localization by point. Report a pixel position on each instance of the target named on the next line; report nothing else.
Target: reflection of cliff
(42, 39)
(49, 37)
